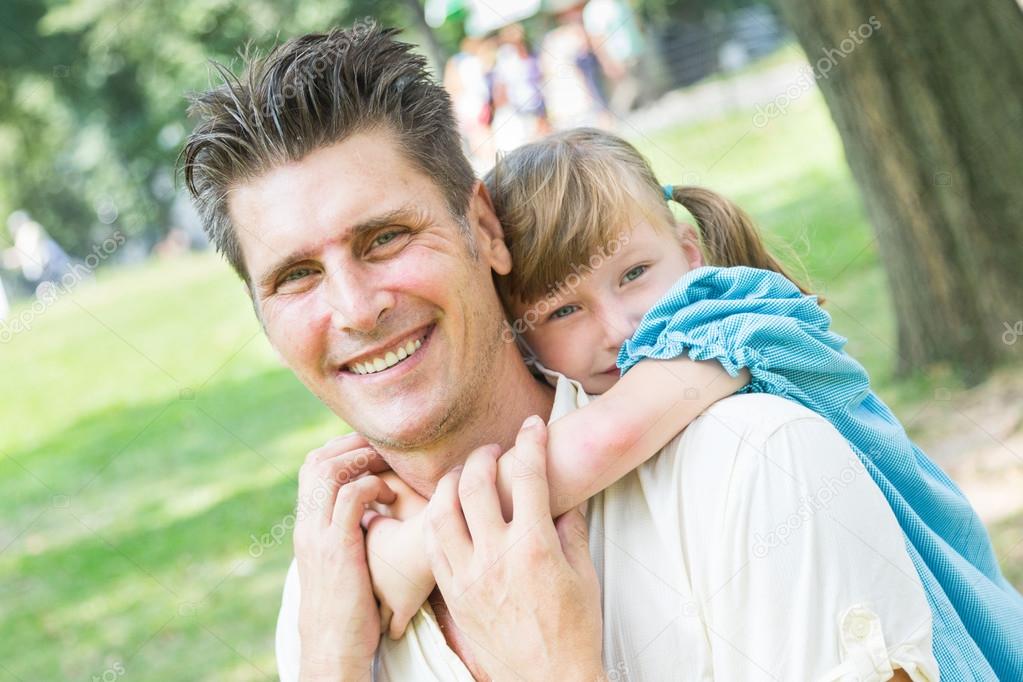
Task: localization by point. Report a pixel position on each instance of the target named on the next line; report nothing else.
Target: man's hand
(338, 622)
(524, 593)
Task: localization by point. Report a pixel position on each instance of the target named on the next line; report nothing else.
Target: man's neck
(514, 394)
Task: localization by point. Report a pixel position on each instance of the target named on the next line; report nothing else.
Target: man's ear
(487, 230)
(690, 242)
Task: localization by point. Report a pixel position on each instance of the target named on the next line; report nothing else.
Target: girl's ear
(690, 242)
(487, 230)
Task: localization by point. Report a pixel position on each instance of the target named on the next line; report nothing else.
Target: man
(332, 179)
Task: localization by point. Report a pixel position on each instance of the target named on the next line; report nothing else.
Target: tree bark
(928, 100)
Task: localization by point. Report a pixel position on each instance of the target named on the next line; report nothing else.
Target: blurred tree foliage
(93, 98)
(689, 10)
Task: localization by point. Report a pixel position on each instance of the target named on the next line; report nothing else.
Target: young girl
(610, 290)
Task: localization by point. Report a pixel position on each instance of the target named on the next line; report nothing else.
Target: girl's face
(579, 329)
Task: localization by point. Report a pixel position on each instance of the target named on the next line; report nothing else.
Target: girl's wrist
(420, 562)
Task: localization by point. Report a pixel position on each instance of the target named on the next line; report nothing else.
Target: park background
(149, 438)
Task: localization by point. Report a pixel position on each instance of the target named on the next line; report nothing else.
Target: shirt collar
(568, 393)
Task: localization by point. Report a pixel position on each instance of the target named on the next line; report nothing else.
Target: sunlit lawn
(148, 434)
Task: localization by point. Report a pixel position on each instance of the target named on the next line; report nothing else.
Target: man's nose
(357, 300)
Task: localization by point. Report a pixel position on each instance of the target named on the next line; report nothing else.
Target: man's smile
(398, 356)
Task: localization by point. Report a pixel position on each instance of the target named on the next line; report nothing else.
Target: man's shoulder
(728, 446)
(757, 416)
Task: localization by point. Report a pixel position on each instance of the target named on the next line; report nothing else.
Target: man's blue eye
(295, 274)
(563, 311)
(634, 273)
(384, 238)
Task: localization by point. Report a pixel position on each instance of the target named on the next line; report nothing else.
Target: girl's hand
(398, 565)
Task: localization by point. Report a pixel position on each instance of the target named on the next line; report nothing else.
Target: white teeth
(390, 359)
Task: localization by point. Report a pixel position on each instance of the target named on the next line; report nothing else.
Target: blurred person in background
(466, 78)
(620, 46)
(573, 90)
(520, 115)
(39, 258)
(5, 306)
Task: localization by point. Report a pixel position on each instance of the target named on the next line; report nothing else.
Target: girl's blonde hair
(570, 195)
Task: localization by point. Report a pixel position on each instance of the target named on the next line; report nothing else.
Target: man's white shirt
(753, 546)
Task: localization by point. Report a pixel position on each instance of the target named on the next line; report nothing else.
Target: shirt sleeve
(286, 641)
(756, 319)
(799, 568)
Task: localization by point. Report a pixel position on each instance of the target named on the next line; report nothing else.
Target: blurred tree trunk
(928, 99)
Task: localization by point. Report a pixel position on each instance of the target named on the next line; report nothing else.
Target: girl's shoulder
(733, 283)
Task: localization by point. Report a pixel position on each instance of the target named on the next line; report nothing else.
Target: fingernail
(532, 422)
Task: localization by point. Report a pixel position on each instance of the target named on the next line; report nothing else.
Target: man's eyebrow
(403, 213)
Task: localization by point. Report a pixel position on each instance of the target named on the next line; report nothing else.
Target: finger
(575, 541)
(361, 454)
(319, 482)
(317, 493)
(367, 518)
(337, 445)
(445, 519)
(530, 496)
(477, 492)
(397, 626)
(353, 498)
(438, 562)
(355, 463)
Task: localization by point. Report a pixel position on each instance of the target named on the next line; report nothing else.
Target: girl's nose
(618, 326)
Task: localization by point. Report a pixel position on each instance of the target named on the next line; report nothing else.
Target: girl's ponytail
(729, 236)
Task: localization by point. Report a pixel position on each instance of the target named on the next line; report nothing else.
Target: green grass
(148, 432)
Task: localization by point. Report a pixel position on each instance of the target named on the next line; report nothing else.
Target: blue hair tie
(669, 191)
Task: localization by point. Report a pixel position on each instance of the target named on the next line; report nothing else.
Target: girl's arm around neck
(595, 446)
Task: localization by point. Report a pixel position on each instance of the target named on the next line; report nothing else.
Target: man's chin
(406, 430)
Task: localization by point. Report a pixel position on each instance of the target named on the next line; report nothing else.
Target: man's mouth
(387, 358)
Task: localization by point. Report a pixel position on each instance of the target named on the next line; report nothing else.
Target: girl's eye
(563, 311)
(634, 273)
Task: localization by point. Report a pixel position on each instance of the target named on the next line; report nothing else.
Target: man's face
(369, 288)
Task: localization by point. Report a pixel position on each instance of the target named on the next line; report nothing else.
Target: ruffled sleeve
(757, 319)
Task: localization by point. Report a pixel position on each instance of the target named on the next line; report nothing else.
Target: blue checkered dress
(745, 317)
